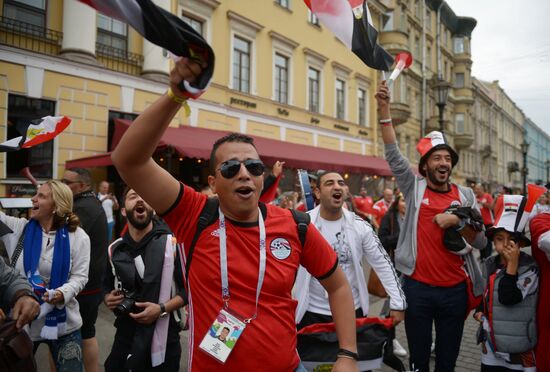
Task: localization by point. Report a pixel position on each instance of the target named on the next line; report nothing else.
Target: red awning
(196, 142)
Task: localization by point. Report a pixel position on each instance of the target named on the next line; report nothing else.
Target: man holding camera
(138, 288)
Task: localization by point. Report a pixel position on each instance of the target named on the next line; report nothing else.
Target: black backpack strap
(302, 221)
(18, 248)
(208, 216)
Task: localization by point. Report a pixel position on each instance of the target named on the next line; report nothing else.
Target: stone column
(79, 32)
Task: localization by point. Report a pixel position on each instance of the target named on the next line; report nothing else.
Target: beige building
(279, 75)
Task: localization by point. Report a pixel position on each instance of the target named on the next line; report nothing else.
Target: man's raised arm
(383, 100)
(133, 155)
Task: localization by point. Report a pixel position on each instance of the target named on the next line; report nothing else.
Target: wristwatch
(163, 312)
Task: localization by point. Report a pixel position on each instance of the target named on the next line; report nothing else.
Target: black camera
(128, 305)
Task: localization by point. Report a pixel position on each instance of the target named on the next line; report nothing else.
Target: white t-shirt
(107, 204)
(333, 232)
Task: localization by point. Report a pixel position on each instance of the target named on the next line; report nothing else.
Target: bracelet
(389, 124)
(347, 354)
(385, 121)
(173, 97)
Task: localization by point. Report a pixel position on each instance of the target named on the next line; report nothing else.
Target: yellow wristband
(175, 98)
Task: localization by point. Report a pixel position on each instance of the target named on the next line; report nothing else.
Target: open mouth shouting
(244, 192)
(337, 196)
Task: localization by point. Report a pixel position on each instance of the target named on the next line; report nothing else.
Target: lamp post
(524, 150)
(547, 163)
(441, 91)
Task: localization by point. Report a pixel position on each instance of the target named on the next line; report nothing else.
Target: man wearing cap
(436, 281)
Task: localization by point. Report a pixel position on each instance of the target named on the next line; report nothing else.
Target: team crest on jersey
(456, 203)
(280, 248)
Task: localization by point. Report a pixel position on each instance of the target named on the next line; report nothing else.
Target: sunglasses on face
(230, 168)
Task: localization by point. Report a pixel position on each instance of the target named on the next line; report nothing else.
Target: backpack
(209, 215)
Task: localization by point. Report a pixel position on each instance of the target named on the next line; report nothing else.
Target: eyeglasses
(230, 168)
(68, 182)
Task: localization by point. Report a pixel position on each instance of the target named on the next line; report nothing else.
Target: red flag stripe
(329, 327)
(44, 137)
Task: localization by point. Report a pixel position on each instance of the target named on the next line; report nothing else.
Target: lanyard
(223, 262)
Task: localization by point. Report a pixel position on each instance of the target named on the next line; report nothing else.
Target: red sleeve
(318, 257)
(489, 199)
(269, 194)
(183, 215)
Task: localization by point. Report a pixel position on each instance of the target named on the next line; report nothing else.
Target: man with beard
(94, 222)
(437, 283)
(138, 291)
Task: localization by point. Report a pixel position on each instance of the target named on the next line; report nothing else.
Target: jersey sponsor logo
(426, 201)
(280, 248)
(216, 233)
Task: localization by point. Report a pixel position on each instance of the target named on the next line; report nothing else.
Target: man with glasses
(94, 222)
(244, 264)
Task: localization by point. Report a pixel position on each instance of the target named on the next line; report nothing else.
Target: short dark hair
(324, 173)
(231, 137)
(83, 174)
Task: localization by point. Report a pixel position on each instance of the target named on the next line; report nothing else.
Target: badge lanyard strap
(223, 262)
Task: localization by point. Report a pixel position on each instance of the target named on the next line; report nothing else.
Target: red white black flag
(318, 344)
(34, 134)
(164, 29)
(351, 22)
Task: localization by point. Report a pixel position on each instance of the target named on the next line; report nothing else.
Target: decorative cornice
(211, 3)
(243, 20)
(338, 66)
(283, 39)
(314, 54)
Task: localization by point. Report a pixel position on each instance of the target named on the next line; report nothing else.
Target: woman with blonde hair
(53, 253)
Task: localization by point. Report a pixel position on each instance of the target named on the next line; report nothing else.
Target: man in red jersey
(540, 241)
(382, 205)
(436, 281)
(244, 264)
(485, 203)
(363, 206)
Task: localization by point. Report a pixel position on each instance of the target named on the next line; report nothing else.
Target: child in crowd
(507, 313)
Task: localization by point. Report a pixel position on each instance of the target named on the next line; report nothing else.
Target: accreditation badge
(222, 336)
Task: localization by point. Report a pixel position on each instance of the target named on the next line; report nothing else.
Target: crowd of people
(244, 269)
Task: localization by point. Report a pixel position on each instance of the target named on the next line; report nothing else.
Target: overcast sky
(511, 43)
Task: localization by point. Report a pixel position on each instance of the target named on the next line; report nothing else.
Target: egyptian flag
(318, 344)
(351, 22)
(36, 133)
(166, 30)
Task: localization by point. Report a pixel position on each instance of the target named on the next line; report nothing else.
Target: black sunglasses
(230, 168)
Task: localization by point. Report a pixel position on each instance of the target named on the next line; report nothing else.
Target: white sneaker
(398, 349)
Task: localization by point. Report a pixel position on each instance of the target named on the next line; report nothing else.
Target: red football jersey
(269, 342)
(486, 213)
(380, 208)
(435, 264)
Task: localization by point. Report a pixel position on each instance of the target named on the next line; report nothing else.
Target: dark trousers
(444, 306)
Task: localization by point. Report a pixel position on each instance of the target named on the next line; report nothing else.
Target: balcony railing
(28, 36)
(119, 59)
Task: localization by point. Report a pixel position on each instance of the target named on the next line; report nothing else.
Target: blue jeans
(444, 306)
(110, 226)
(300, 368)
(66, 352)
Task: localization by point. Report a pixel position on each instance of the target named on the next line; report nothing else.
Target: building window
(281, 78)
(284, 3)
(340, 99)
(29, 11)
(312, 18)
(429, 57)
(362, 107)
(314, 82)
(459, 80)
(112, 32)
(196, 24)
(386, 20)
(21, 110)
(417, 54)
(428, 19)
(241, 64)
(459, 124)
(458, 45)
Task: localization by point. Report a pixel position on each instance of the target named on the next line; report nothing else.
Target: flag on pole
(166, 30)
(351, 22)
(44, 130)
(318, 344)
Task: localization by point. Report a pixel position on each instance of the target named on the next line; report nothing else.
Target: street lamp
(524, 149)
(441, 90)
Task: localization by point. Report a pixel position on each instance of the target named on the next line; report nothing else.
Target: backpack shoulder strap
(208, 216)
(18, 248)
(302, 222)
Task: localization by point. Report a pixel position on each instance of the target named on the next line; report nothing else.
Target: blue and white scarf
(32, 249)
